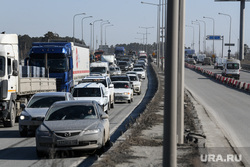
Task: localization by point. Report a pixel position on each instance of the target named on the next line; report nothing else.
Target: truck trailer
(14, 89)
(68, 62)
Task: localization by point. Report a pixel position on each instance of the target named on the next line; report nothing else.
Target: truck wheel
(12, 117)
(112, 104)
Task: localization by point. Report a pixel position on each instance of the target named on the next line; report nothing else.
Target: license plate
(229, 74)
(67, 142)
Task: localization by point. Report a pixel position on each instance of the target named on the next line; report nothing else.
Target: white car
(136, 83)
(140, 71)
(109, 87)
(92, 91)
(123, 91)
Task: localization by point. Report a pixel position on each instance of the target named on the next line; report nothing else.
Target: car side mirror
(111, 86)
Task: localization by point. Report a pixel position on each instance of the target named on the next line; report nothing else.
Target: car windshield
(87, 92)
(44, 101)
(103, 81)
(71, 112)
(123, 63)
(2, 66)
(133, 78)
(232, 66)
(121, 85)
(138, 69)
(98, 69)
(112, 69)
(119, 78)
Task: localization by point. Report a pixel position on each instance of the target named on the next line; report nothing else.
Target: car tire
(23, 133)
(129, 101)
(40, 154)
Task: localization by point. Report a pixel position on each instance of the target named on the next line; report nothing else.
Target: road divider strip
(224, 80)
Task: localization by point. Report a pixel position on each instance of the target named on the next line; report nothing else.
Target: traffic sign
(229, 44)
(213, 37)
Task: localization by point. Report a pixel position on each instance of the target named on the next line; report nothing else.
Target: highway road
(230, 107)
(20, 151)
(244, 75)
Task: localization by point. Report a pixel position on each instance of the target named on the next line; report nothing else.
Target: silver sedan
(73, 125)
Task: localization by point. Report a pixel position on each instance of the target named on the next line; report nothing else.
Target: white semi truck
(14, 89)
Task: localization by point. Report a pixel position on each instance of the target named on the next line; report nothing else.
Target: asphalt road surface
(229, 107)
(21, 152)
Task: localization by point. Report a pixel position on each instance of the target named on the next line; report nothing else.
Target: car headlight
(126, 93)
(93, 131)
(24, 116)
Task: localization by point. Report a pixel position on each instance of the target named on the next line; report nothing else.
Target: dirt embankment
(122, 152)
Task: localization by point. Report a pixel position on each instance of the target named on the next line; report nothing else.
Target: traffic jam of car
(79, 120)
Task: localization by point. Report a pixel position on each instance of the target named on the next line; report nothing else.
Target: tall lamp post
(213, 28)
(105, 29)
(103, 23)
(193, 35)
(158, 27)
(93, 26)
(74, 24)
(197, 23)
(82, 24)
(204, 40)
(143, 34)
(229, 32)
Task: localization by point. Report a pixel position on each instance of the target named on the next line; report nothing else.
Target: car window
(133, 78)
(44, 102)
(87, 92)
(121, 85)
(71, 112)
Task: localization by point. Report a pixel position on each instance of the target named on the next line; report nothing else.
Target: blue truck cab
(56, 57)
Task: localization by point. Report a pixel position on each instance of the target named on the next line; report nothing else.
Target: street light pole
(213, 29)
(197, 23)
(229, 32)
(82, 24)
(193, 35)
(105, 32)
(204, 40)
(94, 33)
(74, 24)
(142, 37)
(103, 23)
(158, 29)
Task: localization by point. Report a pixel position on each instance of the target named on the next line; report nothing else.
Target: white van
(232, 68)
(200, 58)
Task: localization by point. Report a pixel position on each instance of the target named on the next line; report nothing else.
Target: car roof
(75, 102)
(51, 94)
(120, 82)
(89, 85)
(95, 77)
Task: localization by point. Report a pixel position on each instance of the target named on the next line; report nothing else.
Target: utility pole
(170, 94)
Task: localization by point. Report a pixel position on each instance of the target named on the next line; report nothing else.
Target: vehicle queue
(80, 121)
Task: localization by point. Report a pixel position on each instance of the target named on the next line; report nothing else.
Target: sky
(36, 18)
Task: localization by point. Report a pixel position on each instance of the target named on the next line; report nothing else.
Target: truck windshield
(98, 69)
(56, 62)
(232, 66)
(2, 66)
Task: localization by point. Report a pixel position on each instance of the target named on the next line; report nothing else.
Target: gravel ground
(142, 144)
